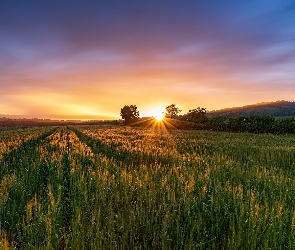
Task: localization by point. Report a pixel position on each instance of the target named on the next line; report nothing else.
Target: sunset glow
(157, 112)
(86, 61)
(159, 116)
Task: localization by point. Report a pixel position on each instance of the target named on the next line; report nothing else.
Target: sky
(87, 59)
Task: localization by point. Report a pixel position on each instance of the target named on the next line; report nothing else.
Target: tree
(172, 110)
(196, 115)
(129, 112)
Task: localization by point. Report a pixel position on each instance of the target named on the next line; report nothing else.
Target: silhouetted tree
(172, 110)
(129, 112)
(196, 115)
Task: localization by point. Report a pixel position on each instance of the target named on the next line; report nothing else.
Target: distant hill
(276, 109)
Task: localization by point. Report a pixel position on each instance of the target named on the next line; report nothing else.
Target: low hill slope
(276, 109)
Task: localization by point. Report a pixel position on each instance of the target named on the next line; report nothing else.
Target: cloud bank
(88, 59)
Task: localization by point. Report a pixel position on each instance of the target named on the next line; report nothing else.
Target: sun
(159, 115)
(156, 112)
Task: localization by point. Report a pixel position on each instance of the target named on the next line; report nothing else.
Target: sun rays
(161, 124)
(157, 113)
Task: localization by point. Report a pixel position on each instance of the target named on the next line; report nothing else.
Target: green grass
(132, 188)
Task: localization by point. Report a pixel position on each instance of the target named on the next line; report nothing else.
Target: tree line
(129, 112)
(255, 123)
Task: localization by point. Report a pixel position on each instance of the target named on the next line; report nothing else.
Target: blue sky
(87, 59)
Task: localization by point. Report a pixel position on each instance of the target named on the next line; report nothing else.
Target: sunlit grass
(92, 187)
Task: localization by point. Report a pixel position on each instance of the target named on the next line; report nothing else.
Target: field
(107, 187)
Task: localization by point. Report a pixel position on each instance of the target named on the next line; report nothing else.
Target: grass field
(99, 187)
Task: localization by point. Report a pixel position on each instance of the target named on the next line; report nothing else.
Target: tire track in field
(39, 207)
(14, 160)
(124, 156)
(75, 159)
(30, 177)
(13, 138)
